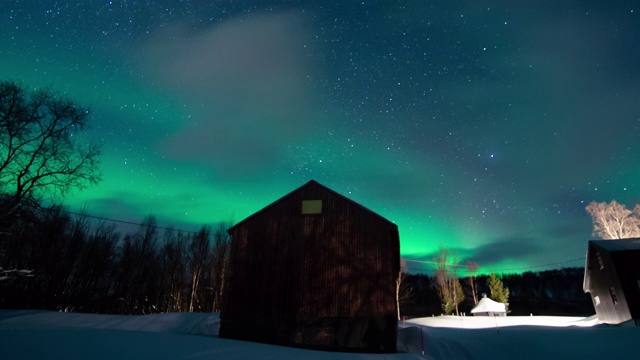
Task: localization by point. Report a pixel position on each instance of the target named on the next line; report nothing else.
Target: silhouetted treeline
(85, 267)
(552, 292)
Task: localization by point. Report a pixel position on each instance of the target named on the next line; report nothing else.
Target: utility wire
(407, 260)
(127, 222)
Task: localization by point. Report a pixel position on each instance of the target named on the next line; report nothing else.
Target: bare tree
(137, 281)
(198, 256)
(173, 263)
(39, 148)
(472, 268)
(95, 269)
(404, 292)
(614, 220)
(219, 260)
(447, 283)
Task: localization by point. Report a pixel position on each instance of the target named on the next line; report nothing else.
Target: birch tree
(447, 283)
(198, 256)
(472, 268)
(613, 221)
(219, 260)
(404, 291)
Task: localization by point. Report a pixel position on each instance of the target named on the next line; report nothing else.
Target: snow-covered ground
(51, 335)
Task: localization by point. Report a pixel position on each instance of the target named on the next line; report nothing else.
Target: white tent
(488, 307)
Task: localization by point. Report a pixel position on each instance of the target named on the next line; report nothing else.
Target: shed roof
(487, 305)
(609, 246)
(619, 244)
(308, 184)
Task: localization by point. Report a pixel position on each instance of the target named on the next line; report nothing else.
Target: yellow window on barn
(312, 206)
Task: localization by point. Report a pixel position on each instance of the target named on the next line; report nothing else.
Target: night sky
(485, 128)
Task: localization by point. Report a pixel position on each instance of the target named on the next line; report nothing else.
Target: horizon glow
(486, 130)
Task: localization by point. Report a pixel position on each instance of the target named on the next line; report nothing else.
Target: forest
(70, 263)
(551, 292)
(80, 264)
(52, 259)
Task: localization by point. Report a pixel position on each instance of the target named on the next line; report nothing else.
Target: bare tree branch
(614, 220)
(40, 153)
(447, 283)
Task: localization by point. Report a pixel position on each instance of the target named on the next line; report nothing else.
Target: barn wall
(629, 277)
(604, 281)
(319, 280)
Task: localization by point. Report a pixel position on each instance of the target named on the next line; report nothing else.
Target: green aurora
(484, 129)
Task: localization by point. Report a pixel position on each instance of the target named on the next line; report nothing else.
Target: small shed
(612, 278)
(488, 307)
(314, 269)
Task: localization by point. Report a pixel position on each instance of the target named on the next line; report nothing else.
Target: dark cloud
(495, 252)
(247, 83)
(127, 210)
(507, 248)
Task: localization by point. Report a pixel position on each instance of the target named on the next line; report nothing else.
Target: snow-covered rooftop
(486, 305)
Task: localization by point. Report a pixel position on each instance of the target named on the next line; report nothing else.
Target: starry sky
(484, 127)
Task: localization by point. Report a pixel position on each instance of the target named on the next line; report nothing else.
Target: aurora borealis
(486, 128)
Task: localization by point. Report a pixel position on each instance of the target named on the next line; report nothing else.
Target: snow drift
(53, 335)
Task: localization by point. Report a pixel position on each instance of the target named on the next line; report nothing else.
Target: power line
(407, 260)
(127, 222)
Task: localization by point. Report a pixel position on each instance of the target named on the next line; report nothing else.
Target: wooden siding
(611, 277)
(628, 268)
(289, 268)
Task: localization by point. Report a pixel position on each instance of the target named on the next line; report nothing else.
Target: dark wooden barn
(612, 278)
(315, 270)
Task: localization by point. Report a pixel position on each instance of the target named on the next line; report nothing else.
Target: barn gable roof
(610, 246)
(311, 183)
(618, 245)
(313, 269)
